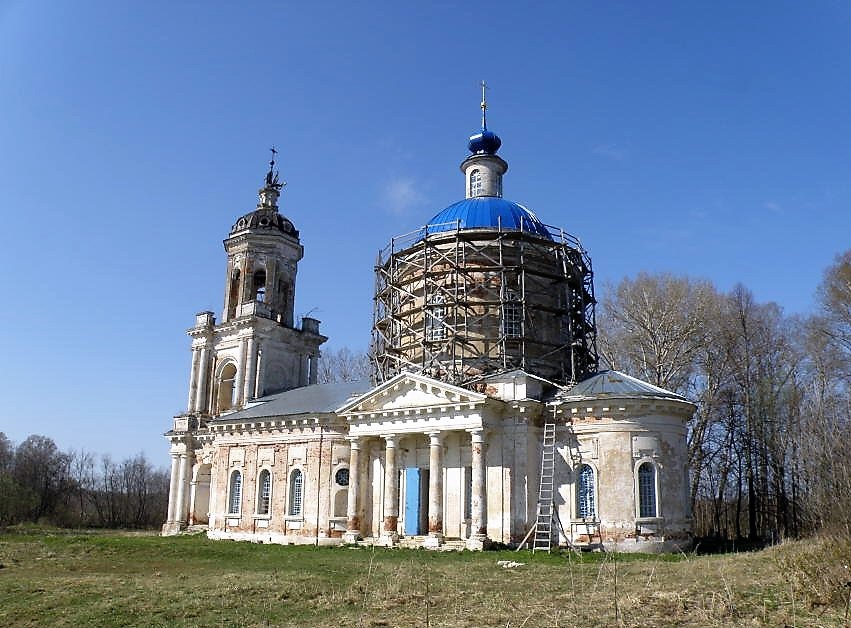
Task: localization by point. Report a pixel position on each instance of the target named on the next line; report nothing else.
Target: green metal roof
(616, 384)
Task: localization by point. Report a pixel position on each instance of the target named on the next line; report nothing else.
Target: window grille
(586, 498)
(646, 490)
(296, 490)
(265, 495)
(435, 315)
(475, 183)
(235, 497)
(512, 315)
(342, 477)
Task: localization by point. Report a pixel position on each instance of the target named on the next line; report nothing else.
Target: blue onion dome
(487, 212)
(484, 143)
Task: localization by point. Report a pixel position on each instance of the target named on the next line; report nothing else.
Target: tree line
(770, 443)
(40, 483)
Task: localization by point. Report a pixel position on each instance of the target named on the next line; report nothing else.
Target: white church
(487, 420)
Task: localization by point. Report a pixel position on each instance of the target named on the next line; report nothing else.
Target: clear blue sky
(710, 139)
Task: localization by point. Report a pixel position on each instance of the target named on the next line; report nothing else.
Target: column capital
(354, 442)
(390, 439)
(435, 437)
(477, 434)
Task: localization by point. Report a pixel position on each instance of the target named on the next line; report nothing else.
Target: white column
(391, 491)
(352, 517)
(203, 379)
(261, 365)
(435, 488)
(172, 490)
(239, 378)
(193, 485)
(180, 512)
(478, 498)
(250, 370)
(193, 381)
(304, 370)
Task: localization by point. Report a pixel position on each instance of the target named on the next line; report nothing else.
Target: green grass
(112, 579)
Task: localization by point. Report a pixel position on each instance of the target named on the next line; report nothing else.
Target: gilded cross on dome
(484, 105)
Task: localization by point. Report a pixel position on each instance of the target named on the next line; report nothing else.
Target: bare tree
(654, 325)
(343, 365)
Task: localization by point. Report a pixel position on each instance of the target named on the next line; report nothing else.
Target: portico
(425, 429)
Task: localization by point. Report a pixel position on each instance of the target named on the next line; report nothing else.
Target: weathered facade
(483, 339)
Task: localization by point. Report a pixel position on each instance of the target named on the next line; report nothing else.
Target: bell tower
(258, 348)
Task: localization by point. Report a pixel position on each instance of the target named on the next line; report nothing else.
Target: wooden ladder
(543, 540)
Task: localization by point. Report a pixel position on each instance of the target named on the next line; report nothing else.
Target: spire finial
(272, 176)
(484, 105)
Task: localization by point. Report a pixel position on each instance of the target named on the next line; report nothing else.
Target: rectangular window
(434, 316)
(235, 493)
(296, 490)
(585, 493)
(646, 490)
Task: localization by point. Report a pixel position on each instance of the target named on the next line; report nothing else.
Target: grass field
(54, 578)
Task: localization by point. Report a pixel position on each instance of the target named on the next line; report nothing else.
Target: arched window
(475, 183)
(647, 490)
(235, 493)
(227, 390)
(296, 492)
(586, 493)
(435, 315)
(260, 285)
(512, 315)
(233, 296)
(264, 492)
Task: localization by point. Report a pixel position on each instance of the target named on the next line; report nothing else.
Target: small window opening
(475, 183)
(512, 315)
(260, 285)
(435, 315)
(342, 477)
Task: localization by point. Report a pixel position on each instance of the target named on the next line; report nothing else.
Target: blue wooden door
(412, 501)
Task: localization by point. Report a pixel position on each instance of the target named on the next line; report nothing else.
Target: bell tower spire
(258, 348)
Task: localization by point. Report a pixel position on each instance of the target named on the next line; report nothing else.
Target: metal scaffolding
(457, 303)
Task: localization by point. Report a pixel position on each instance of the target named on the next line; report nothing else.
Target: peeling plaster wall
(318, 459)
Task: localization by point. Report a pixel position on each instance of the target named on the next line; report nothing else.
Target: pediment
(408, 391)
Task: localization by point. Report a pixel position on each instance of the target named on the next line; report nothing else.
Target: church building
(487, 419)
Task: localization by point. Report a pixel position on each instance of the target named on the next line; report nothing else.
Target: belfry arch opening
(259, 283)
(227, 389)
(233, 294)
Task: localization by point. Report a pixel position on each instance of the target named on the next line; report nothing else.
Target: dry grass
(112, 579)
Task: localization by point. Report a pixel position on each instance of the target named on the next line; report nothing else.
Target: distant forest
(40, 483)
(769, 446)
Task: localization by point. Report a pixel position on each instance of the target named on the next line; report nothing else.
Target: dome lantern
(483, 169)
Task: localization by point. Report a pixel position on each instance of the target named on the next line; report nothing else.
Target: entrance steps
(195, 529)
(418, 542)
